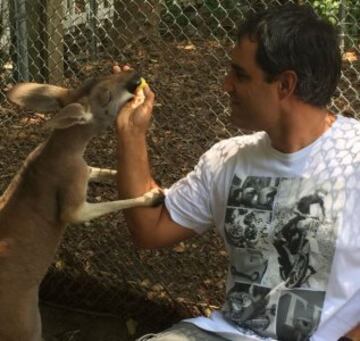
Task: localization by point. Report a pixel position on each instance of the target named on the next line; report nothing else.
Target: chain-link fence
(181, 49)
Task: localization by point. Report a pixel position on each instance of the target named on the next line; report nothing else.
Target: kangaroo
(50, 189)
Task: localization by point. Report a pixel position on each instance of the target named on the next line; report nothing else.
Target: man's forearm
(134, 175)
(151, 227)
(353, 335)
(134, 179)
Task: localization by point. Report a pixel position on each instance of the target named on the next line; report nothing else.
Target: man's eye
(239, 75)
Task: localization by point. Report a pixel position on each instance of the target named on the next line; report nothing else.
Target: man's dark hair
(294, 37)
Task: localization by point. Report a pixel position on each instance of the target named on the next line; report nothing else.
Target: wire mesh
(181, 49)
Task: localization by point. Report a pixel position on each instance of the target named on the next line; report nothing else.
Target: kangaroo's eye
(104, 97)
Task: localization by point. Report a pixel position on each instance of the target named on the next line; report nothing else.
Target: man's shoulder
(349, 125)
(229, 151)
(346, 133)
(233, 145)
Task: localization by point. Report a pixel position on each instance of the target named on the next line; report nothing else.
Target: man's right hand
(135, 116)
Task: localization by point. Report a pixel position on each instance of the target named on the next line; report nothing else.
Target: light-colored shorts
(182, 331)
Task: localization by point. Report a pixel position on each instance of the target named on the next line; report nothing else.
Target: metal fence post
(22, 56)
(342, 22)
(91, 15)
(55, 40)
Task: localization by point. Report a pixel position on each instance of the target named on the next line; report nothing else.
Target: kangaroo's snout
(133, 83)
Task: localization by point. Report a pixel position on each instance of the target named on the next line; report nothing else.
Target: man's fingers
(149, 98)
(138, 111)
(116, 68)
(147, 91)
(149, 94)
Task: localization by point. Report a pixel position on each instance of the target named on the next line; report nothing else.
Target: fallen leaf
(59, 265)
(131, 326)
(180, 248)
(350, 56)
(207, 312)
(157, 287)
(145, 283)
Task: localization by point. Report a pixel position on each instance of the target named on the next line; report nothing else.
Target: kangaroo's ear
(70, 115)
(38, 97)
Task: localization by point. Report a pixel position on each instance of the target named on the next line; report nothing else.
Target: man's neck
(300, 127)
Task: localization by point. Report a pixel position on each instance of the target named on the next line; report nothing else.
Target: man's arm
(151, 227)
(353, 335)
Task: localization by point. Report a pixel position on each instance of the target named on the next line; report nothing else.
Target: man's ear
(287, 82)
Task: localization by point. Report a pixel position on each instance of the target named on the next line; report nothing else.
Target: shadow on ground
(70, 313)
(61, 324)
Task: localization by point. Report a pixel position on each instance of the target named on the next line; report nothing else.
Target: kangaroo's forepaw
(154, 197)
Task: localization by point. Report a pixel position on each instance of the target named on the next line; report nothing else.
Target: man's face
(254, 102)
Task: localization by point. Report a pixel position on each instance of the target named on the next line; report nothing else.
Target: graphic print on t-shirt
(281, 235)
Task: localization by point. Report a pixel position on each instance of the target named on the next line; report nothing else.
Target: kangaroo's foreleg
(102, 175)
(88, 211)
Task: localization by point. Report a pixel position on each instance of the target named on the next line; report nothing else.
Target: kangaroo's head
(96, 102)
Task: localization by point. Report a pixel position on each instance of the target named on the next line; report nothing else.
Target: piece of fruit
(142, 85)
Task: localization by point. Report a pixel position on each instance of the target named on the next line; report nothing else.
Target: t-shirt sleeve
(188, 200)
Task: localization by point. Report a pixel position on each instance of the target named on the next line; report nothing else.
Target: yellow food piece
(142, 85)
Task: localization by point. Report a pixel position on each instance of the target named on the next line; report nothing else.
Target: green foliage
(331, 9)
(327, 8)
(220, 17)
(354, 9)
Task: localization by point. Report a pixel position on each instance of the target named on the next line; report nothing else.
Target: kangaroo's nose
(133, 83)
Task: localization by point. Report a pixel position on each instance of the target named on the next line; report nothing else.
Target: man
(284, 69)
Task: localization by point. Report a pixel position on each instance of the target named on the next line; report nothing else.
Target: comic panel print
(298, 314)
(304, 231)
(280, 233)
(288, 315)
(251, 307)
(247, 220)
(291, 238)
(253, 193)
(245, 227)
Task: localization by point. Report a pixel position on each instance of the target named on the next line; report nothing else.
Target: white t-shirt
(290, 223)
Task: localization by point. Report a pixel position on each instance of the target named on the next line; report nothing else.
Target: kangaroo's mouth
(133, 83)
(129, 92)
(124, 98)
